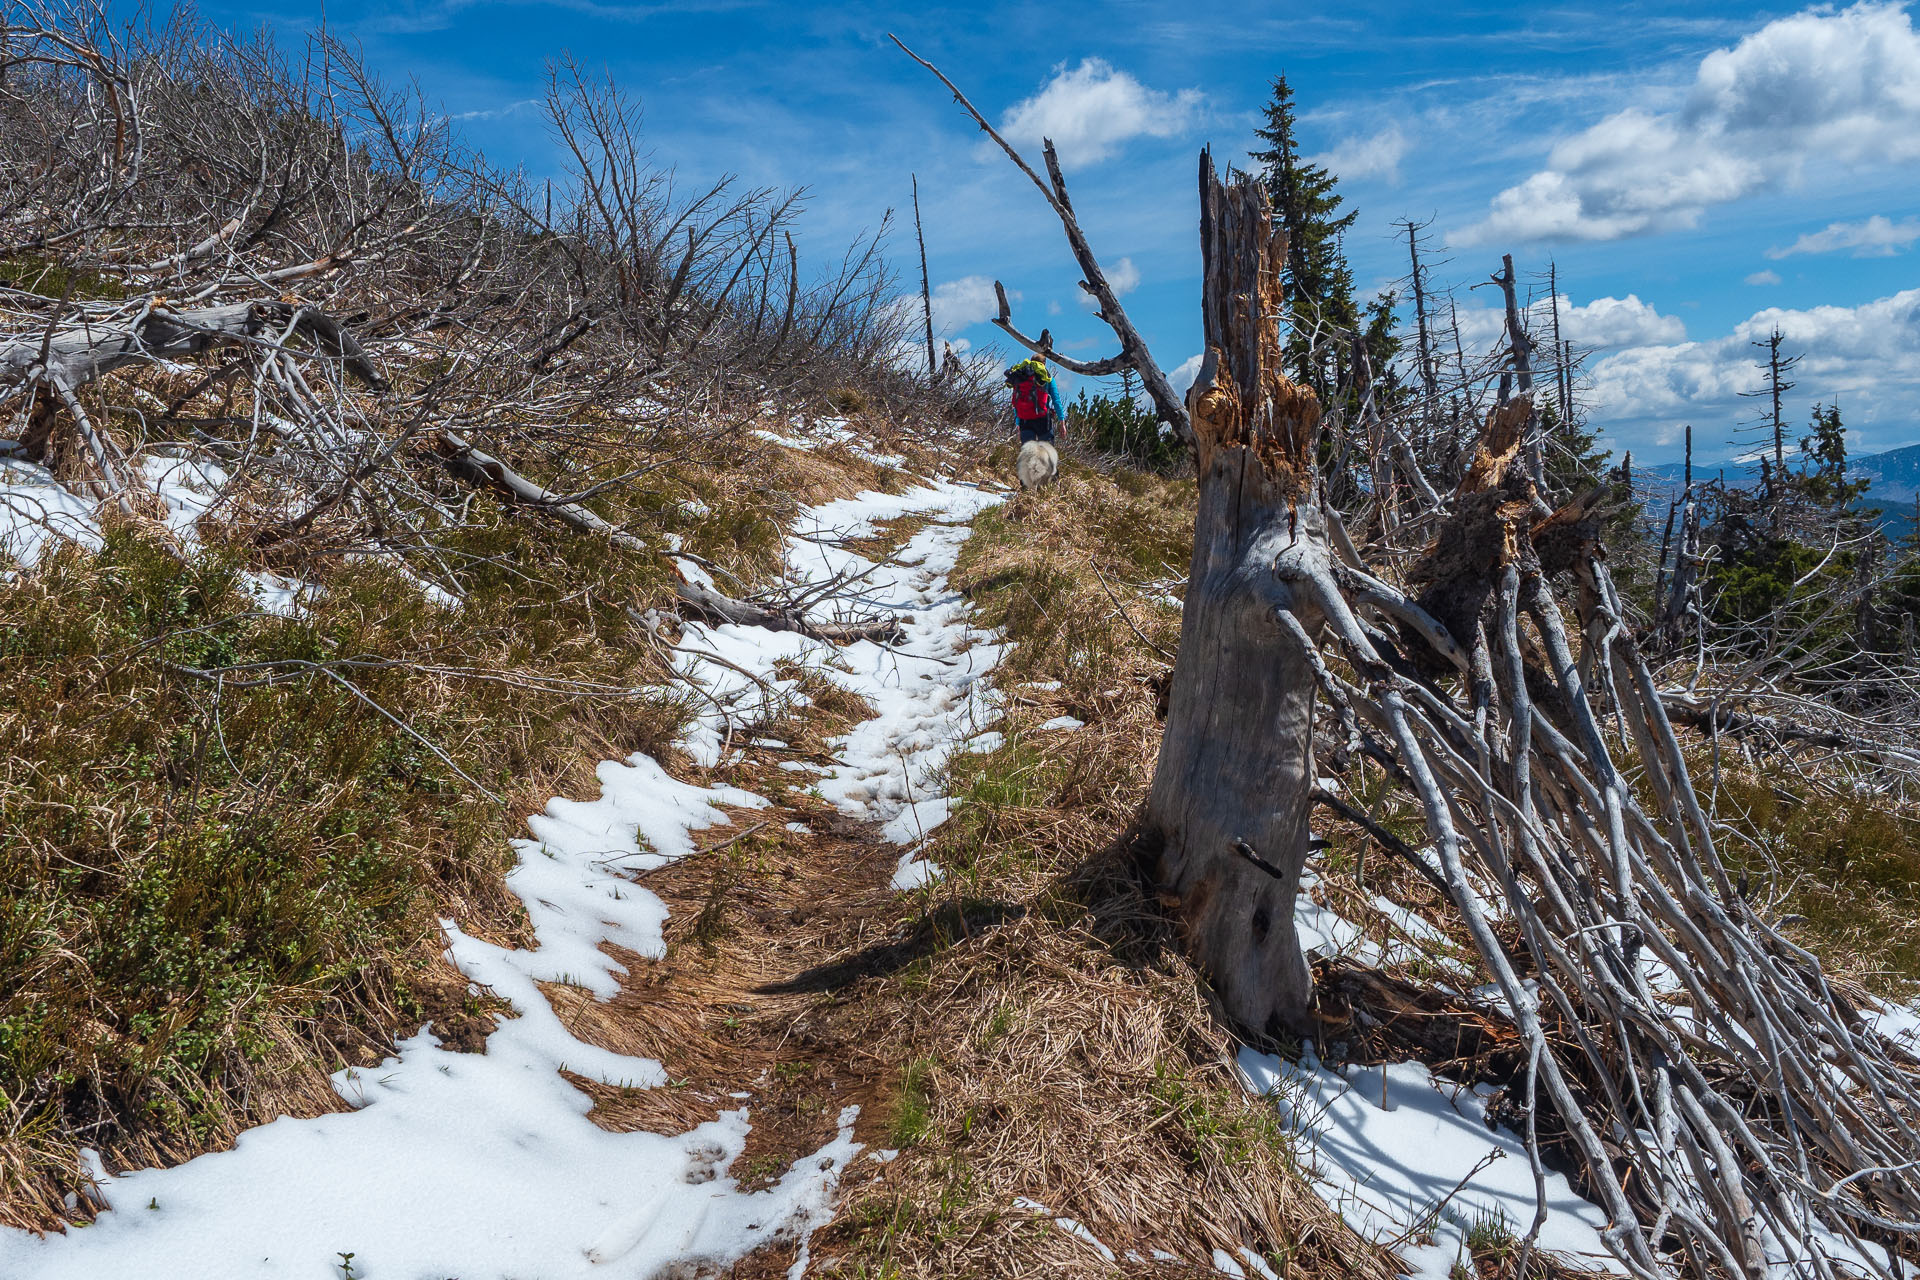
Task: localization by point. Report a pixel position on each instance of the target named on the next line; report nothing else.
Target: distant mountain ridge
(1893, 476)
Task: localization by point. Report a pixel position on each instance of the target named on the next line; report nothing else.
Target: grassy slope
(214, 893)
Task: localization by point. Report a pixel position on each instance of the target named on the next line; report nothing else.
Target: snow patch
(481, 1165)
(1402, 1154)
(930, 689)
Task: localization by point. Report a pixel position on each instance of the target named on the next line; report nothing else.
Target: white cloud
(1181, 377)
(1877, 237)
(1607, 323)
(1764, 277)
(1830, 87)
(1604, 324)
(1091, 109)
(1122, 277)
(1377, 156)
(958, 304)
(1864, 358)
(496, 113)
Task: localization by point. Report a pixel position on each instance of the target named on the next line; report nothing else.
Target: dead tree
(926, 289)
(1772, 425)
(1423, 344)
(1722, 1101)
(1133, 353)
(1226, 823)
(1520, 351)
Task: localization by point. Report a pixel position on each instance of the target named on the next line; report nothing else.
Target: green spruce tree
(1825, 483)
(1319, 282)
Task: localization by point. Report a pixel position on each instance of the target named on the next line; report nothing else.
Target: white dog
(1039, 464)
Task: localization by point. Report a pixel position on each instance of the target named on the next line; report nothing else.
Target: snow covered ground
(485, 1165)
(1401, 1154)
(929, 689)
(36, 512)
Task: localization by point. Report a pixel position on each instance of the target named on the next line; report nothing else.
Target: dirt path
(694, 941)
(773, 927)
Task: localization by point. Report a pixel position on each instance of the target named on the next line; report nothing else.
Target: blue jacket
(1056, 411)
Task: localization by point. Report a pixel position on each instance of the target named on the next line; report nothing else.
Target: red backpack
(1030, 398)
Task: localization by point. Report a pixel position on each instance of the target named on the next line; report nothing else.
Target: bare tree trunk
(1562, 376)
(1522, 348)
(1425, 344)
(1227, 816)
(1680, 587)
(926, 289)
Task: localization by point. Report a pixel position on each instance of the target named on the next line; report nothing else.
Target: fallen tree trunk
(75, 354)
(475, 466)
(706, 601)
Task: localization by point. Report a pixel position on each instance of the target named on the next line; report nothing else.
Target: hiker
(1036, 407)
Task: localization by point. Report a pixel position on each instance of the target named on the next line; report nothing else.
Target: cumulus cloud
(1376, 156)
(1764, 277)
(1865, 358)
(958, 304)
(1123, 277)
(1089, 110)
(1877, 237)
(1839, 88)
(1182, 375)
(1604, 324)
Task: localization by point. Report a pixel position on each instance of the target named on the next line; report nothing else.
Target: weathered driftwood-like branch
(1043, 345)
(475, 466)
(1133, 348)
(478, 467)
(723, 608)
(77, 352)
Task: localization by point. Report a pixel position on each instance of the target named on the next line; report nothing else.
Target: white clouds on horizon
(1865, 358)
(1877, 237)
(1824, 86)
(1091, 109)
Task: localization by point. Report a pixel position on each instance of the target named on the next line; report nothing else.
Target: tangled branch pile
(1730, 1108)
(1727, 1105)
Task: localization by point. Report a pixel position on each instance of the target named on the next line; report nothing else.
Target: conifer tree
(1825, 484)
(1319, 282)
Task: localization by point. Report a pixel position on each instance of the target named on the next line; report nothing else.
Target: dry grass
(1049, 1041)
(209, 903)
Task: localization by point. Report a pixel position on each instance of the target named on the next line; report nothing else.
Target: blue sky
(1699, 172)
